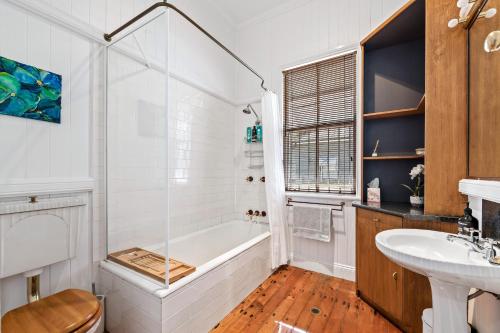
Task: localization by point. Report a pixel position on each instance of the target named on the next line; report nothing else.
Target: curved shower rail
(109, 37)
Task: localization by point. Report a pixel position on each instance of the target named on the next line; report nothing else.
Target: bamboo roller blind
(320, 126)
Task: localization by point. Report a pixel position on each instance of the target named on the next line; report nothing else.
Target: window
(320, 126)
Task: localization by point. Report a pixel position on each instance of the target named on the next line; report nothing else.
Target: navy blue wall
(394, 77)
(392, 173)
(396, 135)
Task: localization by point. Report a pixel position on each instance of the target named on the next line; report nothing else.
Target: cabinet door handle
(395, 276)
(376, 220)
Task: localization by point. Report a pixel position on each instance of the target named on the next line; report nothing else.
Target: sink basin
(452, 268)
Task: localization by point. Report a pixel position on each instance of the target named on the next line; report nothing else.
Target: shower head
(248, 110)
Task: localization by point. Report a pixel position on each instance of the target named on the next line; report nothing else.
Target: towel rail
(338, 206)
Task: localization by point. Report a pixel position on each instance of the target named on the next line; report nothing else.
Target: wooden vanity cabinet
(399, 294)
(379, 279)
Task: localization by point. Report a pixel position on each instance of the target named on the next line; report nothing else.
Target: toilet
(71, 310)
(427, 321)
(52, 225)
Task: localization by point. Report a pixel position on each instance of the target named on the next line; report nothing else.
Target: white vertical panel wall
(35, 151)
(303, 31)
(297, 33)
(37, 156)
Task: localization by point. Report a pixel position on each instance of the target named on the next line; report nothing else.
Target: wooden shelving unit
(394, 112)
(393, 157)
(394, 107)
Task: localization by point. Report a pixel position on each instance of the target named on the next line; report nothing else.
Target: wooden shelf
(420, 109)
(393, 157)
(392, 114)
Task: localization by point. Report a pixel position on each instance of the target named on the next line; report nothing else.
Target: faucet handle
(472, 232)
(469, 230)
(490, 242)
(491, 253)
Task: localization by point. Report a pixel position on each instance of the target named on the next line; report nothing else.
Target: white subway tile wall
(248, 163)
(201, 167)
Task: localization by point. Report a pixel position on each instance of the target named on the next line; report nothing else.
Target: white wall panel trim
(157, 66)
(83, 29)
(273, 12)
(45, 186)
(202, 87)
(57, 16)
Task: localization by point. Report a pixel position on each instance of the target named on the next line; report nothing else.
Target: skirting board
(336, 270)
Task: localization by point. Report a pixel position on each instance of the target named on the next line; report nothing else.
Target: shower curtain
(275, 179)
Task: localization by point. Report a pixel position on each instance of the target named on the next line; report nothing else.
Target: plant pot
(417, 201)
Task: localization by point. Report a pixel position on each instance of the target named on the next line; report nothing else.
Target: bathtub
(231, 259)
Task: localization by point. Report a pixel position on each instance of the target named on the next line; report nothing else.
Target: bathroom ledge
(46, 204)
(486, 189)
(404, 210)
(326, 196)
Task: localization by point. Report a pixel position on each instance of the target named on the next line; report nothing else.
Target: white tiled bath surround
(195, 307)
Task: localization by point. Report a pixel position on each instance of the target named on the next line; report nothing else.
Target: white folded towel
(312, 222)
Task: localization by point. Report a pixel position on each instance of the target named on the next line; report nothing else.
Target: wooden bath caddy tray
(151, 264)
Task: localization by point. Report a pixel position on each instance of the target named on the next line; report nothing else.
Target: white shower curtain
(275, 180)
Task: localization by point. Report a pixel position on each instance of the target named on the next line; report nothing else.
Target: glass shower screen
(137, 144)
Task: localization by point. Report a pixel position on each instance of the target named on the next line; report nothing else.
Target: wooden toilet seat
(71, 310)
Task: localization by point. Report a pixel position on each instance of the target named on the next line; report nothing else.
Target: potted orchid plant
(416, 174)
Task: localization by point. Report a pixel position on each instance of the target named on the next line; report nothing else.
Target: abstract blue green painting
(29, 92)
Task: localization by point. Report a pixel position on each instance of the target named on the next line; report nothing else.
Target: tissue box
(373, 195)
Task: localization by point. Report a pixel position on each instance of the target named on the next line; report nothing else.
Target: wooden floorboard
(283, 303)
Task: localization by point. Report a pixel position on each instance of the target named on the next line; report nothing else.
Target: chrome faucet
(490, 251)
(469, 236)
(486, 246)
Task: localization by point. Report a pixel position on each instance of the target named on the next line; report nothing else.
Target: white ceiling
(241, 11)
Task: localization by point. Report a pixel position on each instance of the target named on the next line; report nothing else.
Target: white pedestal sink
(452, 269)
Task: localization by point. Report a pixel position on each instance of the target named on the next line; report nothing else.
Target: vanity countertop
(404, 210)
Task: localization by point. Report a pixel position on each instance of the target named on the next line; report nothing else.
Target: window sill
(347, 197)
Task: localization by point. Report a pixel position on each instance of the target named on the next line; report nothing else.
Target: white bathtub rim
(157, 289)
(202, 231)
(212, 264)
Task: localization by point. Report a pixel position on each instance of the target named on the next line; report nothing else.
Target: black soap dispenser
(467, 221)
